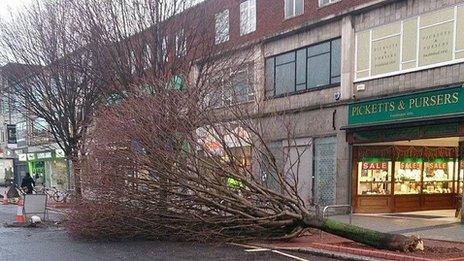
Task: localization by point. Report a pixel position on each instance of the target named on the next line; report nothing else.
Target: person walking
(28, 183)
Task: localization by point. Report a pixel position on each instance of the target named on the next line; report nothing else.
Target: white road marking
(257, 250)
(288, 255)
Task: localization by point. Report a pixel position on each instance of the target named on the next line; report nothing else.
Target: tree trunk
(77, 175)
(394, 242)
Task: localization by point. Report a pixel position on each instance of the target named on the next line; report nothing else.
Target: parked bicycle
(56, 194)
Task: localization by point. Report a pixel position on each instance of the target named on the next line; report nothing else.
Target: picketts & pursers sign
(442, 102)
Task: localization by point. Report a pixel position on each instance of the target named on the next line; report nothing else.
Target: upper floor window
(293, 8)
(229, 88)
(222, 27)
(163, 55)
(327, 2)
(304, 69)
(132, 62)
(147, 58)
(247, 17)
(181, 45)
(39, 125)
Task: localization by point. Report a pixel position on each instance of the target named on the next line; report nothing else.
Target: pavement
(439, 225)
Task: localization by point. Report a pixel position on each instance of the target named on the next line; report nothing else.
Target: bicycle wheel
(59, 197)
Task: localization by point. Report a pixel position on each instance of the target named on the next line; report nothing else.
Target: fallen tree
(164, 166)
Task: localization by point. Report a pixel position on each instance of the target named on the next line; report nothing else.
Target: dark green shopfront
(407, 151)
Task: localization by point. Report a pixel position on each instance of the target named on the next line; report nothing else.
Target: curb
(374, 253)
(349, 253)
(313, 251)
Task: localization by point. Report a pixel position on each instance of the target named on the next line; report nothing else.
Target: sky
(5, 5)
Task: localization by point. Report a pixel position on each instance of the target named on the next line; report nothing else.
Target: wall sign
(425, 41)
(442, 102)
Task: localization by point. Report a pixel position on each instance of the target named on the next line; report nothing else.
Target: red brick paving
(434, 249)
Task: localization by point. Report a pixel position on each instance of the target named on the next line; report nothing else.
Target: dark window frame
(307, 89)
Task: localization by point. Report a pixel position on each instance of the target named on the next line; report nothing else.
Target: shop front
(407, 151)
(48, 168)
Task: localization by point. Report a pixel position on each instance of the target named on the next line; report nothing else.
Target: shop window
(222, 27)
(408, 176)
(316, 66)
(438, 176)
(293, 8)
(374, 176)
(247, 17)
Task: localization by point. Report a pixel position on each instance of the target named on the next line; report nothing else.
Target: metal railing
(338, 206)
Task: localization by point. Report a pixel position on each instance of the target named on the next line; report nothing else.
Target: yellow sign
(417, 43)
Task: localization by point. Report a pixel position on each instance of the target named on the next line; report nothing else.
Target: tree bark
(394, 242)
(77, 175)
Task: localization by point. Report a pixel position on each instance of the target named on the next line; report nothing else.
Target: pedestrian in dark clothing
(28, 183)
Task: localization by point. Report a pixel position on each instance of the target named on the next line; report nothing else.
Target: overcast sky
(5, 5)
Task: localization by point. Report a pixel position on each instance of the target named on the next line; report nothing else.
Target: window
(132, 62)
(181, 45)
(241, 89)
(247, 17)
(40, 125)
(147, 57)
(222, 27)
(232, 88)
(293, 8)
(163, 56)
(327, 2)
(304, 69)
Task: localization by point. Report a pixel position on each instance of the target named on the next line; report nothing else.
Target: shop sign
(436, 165)
(442, 102)
(44, 155)
(22, 157)
(410, 165)
(430, 40)
(375, 166)
(30, 156)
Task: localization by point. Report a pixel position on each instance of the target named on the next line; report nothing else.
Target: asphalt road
(37, 244)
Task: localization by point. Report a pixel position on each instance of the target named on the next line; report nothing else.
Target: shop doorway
(405, 176)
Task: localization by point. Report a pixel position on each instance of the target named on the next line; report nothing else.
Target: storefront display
(374, 176)
(408, 176)
(6, 172)
(438, 176)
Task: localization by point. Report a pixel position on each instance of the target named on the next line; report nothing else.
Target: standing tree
(56, 79)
